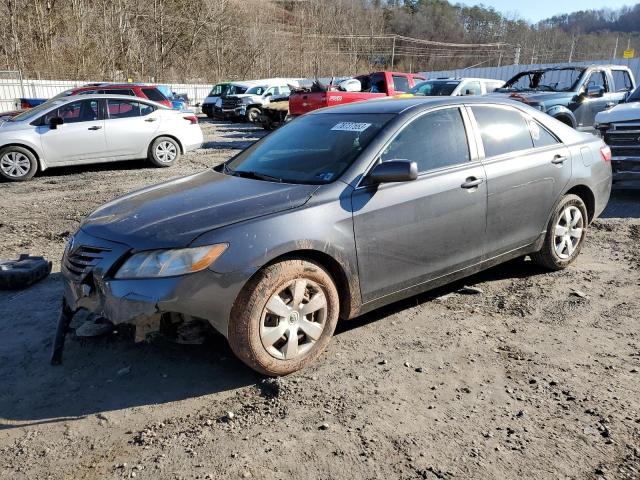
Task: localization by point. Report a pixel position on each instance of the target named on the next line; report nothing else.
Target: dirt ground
(536, 376)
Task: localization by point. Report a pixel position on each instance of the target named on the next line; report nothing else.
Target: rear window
(400, 84)
(435, 87)
(154, 94)
(503, 130)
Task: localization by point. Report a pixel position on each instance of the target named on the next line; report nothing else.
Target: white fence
(11, 89)
(508, 71)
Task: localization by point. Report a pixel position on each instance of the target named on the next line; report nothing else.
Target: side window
(74, 112)
(434, 140)
(597, 79)
(621, 81)
(154, 94)
(272, 91)
(146, 109)
(400, 84)
(492, 86)
(541, 136)
(285, 90)
(503, 130)
(123, 108)
(471, 88)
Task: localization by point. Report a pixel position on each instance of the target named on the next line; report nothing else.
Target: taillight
(605, 151)
(191, 118)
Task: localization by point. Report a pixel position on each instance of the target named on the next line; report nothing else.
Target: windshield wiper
(254, 175)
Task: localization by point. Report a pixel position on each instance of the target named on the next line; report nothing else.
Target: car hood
(548, 98)
(175, 213)
(625, 112)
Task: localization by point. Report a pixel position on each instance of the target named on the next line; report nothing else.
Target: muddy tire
(284, 318)
(164, 152)
(17, 164)
(565, 234)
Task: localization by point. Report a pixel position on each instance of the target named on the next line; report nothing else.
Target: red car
(150, 92)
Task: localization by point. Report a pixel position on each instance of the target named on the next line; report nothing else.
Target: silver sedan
(94, 129)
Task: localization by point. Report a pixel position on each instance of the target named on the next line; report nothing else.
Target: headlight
(168, 263)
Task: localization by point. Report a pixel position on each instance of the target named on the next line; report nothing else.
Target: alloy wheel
(166, 152)
(293, 319)
(15, 164)
(568, 232)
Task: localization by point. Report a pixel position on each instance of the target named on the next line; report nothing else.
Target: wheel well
(566, 119)
(27, 148)
(170, 136)
(587, 197)
(335, 270)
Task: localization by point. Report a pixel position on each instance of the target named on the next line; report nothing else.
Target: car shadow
(97, 374)
(517, 268)
(624, 203)
(95, 167)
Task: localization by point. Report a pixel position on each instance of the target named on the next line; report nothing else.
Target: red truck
(374, 85)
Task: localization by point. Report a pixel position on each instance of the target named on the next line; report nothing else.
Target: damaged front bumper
(88, 267)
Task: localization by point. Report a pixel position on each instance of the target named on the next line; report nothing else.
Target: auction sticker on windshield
(351, 127)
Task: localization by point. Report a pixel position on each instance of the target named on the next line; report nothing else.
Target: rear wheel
(565, 234)
(285, 317)
(17, 164)
(164, 152)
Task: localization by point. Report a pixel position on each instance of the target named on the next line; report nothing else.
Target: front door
(80, 137)
(527, 169)
(412, 232)
(130, 126)
(591, 106)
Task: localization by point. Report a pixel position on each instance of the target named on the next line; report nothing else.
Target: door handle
(151, 119)
(559, 159)
(95, 127)
(472, 182)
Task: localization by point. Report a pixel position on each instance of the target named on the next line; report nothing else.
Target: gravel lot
(536, 376)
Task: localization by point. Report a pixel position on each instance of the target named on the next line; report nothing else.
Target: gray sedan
(339, 212)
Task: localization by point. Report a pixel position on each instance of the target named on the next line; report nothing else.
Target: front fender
(560, 111)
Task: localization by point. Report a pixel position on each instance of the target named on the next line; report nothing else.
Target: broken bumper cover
(626, 168)
(206, 294)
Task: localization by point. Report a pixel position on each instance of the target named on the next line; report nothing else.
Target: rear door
(527, 168)
(80, 137)
(129, 127)
(411, 232)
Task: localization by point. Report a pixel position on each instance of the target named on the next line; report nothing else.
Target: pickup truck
(374, 85)
(620, 129)
(573, 94)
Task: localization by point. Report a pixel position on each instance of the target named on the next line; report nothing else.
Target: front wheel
(284, 317)
(253, 114)
(164, 151)
(17, 164)
(565, 234)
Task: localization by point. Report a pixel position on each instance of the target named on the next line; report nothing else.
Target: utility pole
(516, 59)
(615, 49)
(393, 52)
(573, 45)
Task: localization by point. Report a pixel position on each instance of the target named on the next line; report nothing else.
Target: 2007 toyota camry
(337, 213)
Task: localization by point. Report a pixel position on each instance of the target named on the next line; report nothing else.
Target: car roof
(400, 105)
(465, 78)
(99, 96)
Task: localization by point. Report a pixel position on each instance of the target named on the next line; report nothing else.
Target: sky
(537, 10)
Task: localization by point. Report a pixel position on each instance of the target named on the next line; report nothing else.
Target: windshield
(314, 149)
(219, 90)
(635, 96)
(553, 80)
(256, 91)
(435, 87)
(35, 111)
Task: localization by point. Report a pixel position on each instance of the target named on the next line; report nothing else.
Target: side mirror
(55, 121)
(394, 171)
(594, 91)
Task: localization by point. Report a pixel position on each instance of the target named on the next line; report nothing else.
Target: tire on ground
(547, 256)
(164, 152)
(20, 152)
(246, 315)
(252, 114)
